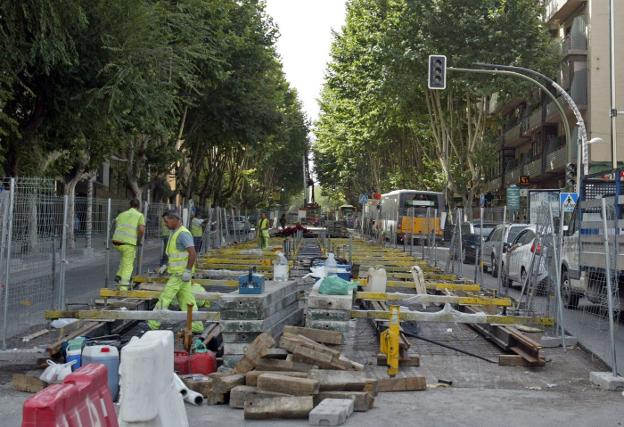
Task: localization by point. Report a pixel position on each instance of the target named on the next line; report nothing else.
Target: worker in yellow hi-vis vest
(181, 257)
(129, 230)
(263, 231)
(197, 230)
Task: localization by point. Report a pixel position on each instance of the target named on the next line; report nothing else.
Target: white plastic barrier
(148, 395)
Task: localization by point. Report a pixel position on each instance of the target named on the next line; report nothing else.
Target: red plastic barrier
(83, 400)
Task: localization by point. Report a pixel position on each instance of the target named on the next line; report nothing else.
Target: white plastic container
(280, 268)
(377, 280)
(108, 356)
(331, 266)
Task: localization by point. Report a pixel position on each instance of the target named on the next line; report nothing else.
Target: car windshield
(514, 231)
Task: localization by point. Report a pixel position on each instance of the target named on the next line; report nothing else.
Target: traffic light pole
(564, 118)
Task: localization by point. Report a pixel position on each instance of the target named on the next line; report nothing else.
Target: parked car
(491, 247)
(518, 260)
(471, 244)
(487, 228)
(466, 229)
(240, 223)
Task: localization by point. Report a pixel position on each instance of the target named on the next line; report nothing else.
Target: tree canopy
(381, 128)
(188, 88)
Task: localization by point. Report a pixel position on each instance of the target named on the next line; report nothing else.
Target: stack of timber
(244, 317)
(330, 312)
(286, 377)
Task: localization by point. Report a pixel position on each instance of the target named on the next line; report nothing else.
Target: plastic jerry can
(108, 356)
(377, 280)
(74, 352)
(198, 363)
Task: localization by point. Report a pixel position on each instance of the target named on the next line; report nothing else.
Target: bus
(346, 213)
(404, 212)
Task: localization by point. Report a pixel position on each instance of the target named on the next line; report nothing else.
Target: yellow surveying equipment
(389, 341)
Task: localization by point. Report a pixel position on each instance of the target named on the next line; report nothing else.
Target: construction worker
(164, 237)
(129, 230)
(181, 257)
(197, 231)
(263, 231)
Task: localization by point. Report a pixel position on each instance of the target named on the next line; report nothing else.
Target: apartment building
(532, 142)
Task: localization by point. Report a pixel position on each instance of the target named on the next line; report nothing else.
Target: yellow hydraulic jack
(389, 341)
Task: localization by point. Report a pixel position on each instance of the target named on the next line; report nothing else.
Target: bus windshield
(420, 203)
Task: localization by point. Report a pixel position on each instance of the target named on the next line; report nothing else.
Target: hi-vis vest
(126, 225)
(264, 224)
(196, 227)
(178, 260)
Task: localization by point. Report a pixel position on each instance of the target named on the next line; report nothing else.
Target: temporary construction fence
(596, 226)
(57, 251)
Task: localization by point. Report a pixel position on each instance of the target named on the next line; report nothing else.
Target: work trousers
(127, 254)
(176, 288)
(263, 239)
(197, 241)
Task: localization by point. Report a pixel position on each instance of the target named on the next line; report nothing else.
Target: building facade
(532, 142)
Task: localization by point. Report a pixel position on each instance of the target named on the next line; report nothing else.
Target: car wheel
(494, 267)
(523, 277)
(570, 299)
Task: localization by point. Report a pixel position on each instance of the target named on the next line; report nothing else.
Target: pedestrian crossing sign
(568, 201)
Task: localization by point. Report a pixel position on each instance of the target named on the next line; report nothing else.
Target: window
(526, 237)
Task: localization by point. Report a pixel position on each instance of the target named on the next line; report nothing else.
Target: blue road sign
(363, 199)
(568, 201)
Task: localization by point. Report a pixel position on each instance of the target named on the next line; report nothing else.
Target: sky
(305, 39)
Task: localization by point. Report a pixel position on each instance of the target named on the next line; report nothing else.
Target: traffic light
(437, 72)
(570, 175)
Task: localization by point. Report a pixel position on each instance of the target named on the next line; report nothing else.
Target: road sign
(524, 180)
(363, 199)
(568, 201)
(513, 198)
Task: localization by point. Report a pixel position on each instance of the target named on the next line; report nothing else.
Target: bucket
(73, 351)
(280, 272)
(108, 356)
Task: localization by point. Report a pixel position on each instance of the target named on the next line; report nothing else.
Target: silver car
(492, 244)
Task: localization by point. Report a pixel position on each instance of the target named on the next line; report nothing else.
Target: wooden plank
(434, 299)
(511, 360)
(322, 336)
(283, 365)
(244, 393)
(290, 407)
(254, 353)
(407, 383)
(412, 360)
(160, 315)
(287, 384)
(336, 380)
(251, 377)
(27, 383)
(34, 335)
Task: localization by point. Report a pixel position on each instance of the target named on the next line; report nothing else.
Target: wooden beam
(203, 282)
(435, 299)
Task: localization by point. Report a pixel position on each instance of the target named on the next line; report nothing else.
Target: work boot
(117, 279)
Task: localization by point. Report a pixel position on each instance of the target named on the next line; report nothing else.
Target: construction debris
(288, 407)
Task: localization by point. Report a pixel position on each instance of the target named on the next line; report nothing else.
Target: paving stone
(331, 412)
(607, 381)
(362, 400)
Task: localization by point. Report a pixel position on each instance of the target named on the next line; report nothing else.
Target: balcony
(574, 46)
(556, 160)
(516, 134)
(534, 168)
(560, 9)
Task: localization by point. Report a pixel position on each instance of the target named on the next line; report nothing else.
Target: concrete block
(327, 325)
(231, 360)
(260, 325)
(329, 315)
(331, 412)
(554, 342)
(362, 400)
(336, 380)
(261, 311)
(251, 378)
(330, 302)
(607, 381)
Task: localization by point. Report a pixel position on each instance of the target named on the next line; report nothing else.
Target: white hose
(194, 398)
(180, 386)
